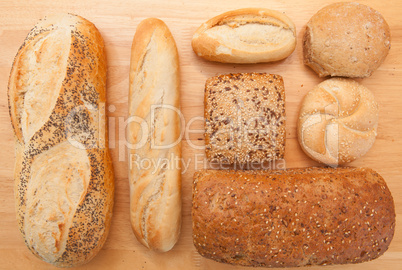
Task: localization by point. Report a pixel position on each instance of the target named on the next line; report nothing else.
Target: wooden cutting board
(117, 21)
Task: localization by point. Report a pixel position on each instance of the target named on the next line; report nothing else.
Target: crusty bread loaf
(245, 118)
(338, 121)
(249, 35)
(296, 217)
(346, 39)
(155, 150)
(64, 182)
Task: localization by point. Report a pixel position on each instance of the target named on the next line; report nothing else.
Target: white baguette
(155, 190)
(64, 182)
(249, 35)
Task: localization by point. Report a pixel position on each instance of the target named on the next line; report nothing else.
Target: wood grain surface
(117, 21)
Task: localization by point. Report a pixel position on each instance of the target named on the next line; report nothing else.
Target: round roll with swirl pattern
(338, 121)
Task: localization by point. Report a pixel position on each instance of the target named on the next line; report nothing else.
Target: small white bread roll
(154, 156)
(338, 121)
(249, 35)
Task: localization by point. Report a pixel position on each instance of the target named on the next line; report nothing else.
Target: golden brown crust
(155, 191)
(69, 230)
(245, 118)
(346, 39)
(249, 35)
(296, 217)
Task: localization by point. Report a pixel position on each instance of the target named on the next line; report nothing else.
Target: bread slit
(154, 177)
(64, 183)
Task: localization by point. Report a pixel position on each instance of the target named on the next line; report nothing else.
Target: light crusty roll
(250, 35)
(295, 217)
(346, 39)
(338, 121)
(155, 150)
(64, 182)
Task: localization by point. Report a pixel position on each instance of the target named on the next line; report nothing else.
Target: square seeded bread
(244, 118)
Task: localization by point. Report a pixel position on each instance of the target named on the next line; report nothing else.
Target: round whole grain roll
(346, 39)
(337, 121)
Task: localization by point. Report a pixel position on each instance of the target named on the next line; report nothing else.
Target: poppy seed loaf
(64, 183)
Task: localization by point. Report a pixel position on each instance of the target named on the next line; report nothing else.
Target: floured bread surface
(154, 137)
(246, 36)
(44, 60)
(346, 39)
(338, 121)
(58, 183)
(249, 34)
(64, 184)
(37, 76)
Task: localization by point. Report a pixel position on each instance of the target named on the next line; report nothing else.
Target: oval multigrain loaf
(250, 35)
(63, 173)
(338, 121)
(296, 217)
(346, 39)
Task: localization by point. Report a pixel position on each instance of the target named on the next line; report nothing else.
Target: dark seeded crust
(84, 83)
(297, 217)
(244, 118)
